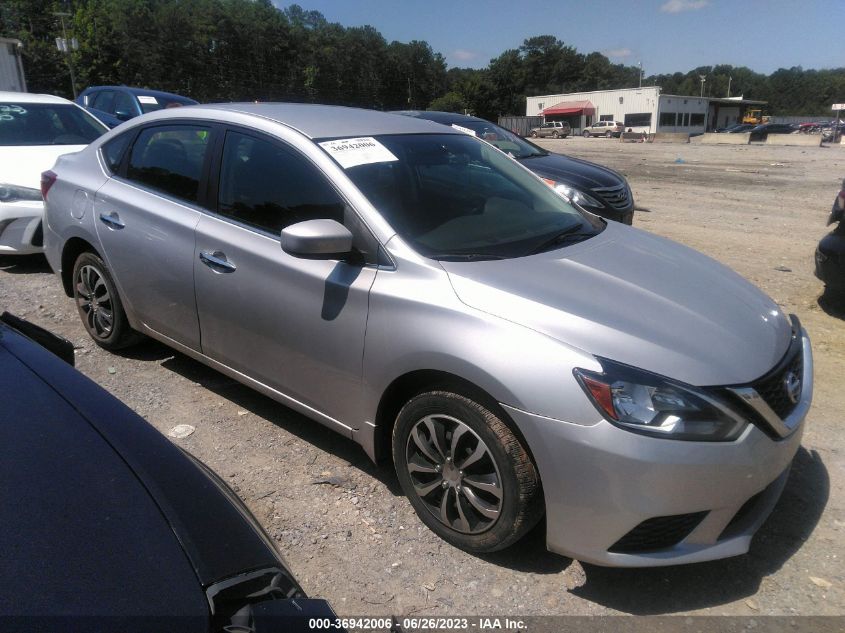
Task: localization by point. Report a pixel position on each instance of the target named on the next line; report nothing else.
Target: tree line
(247, 50)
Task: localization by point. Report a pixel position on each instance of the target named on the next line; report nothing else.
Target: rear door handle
(112, 220)
(217, 261)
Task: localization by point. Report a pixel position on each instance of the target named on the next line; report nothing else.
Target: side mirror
(123, 115)
(322, 239)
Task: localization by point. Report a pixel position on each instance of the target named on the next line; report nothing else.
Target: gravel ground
(351, 537)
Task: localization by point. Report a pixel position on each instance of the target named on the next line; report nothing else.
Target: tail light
(48, 179)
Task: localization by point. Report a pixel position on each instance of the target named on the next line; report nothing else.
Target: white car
(607, 129)
(34, 131)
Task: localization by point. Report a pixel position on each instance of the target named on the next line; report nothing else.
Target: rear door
(295, 325)
(145, 220)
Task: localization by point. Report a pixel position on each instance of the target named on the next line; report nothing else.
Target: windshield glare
(46, 124)
(453, 197)
(505, 140)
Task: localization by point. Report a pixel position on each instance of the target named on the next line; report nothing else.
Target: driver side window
(268, 187)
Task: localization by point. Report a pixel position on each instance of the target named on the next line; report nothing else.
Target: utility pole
(729, 86)
(66, 46)
(703, 78)
(640, 64)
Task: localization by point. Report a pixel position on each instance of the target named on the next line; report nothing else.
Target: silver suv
(419, 291)
(554, 129)
(607, 129)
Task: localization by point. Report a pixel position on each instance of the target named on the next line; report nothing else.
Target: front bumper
(601, 482)
(830, 260)
(20, 227)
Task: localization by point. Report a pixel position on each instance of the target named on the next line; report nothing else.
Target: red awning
(570, 107)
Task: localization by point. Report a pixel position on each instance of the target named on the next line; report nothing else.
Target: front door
(296, 325)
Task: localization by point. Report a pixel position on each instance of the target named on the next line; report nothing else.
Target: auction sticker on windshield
(350, 152)
(465, 130)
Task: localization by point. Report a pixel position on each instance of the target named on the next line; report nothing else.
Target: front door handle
(217, 261)
(112, 220)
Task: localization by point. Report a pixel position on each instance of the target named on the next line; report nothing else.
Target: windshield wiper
(534, 155)
(465, 257)
(569, 233)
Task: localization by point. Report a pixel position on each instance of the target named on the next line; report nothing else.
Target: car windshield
(453, 197)
(505, 140)
(47, 124)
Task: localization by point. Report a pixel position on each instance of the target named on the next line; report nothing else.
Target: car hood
(638, 299)
(22, 166)
(579, 173)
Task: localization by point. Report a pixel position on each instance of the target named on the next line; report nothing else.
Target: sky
(665, 35)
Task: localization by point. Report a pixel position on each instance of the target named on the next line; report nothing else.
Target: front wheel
(99, 305)
(464, 471)
(585, 134)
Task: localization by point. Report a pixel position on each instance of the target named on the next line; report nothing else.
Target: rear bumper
(20, 227)
(601, 482)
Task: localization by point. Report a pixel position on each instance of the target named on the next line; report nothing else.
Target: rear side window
(114, 150)
(268, 187)
(170, 159)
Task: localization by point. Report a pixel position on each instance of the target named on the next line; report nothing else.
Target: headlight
(577, 196)
(649, 404)
(11, 193)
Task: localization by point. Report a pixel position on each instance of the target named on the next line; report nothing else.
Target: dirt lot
(758, 209)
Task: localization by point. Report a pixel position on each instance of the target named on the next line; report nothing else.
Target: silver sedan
(417, 290)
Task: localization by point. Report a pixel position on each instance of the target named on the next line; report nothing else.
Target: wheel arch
(72, 249)
(412, 383)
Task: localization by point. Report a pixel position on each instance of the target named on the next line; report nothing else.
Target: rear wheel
(533, 134)
(99, 305)
(608, 134)
(465, 473)
(555, 134)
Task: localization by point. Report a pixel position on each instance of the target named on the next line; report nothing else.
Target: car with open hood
(423, 293)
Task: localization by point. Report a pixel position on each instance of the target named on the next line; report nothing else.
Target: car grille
(772, 387)
(617, 197)
(658, 533)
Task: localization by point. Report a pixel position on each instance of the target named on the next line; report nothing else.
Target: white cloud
(463, 55)
(618, 52)
(678, 6)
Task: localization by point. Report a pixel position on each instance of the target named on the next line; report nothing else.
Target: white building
(640, 110)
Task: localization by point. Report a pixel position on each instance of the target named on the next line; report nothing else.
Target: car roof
(326, 121)
(142, 91)
(439, 116)
(28, 97)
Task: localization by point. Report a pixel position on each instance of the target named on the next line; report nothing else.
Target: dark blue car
(115, 104)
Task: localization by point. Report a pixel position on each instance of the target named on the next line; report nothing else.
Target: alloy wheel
(454, 474)
(94, 301)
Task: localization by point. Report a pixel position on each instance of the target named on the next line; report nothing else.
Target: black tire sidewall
(502, 533)
(121, 334)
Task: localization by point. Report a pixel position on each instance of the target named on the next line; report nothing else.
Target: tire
(608, 134)
(490, 501)
(585, 134)
(533, 134)
(99, 304)
(555, 134)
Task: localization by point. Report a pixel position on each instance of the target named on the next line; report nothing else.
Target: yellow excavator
(755, 116)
